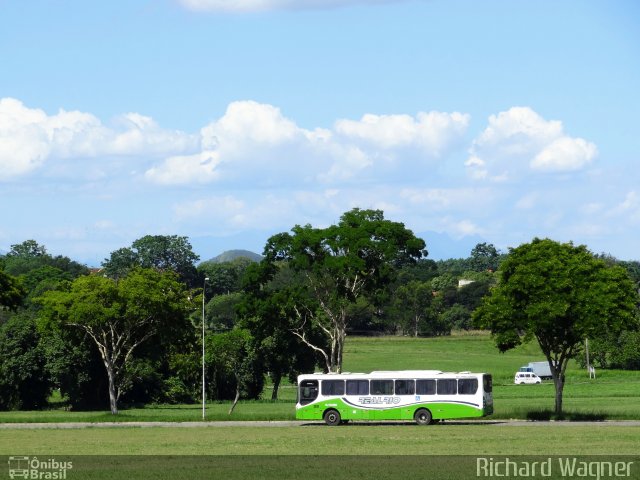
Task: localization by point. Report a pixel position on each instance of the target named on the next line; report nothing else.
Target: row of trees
(129, 333)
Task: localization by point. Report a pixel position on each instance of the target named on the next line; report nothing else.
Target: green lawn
(474, 351)
(246, 410)
(318, 439)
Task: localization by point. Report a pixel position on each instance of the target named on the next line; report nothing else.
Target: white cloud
(182, 169)
(246, 124)
(29, 138)
(251, 143)
(565, 154)
(242, 6)
(139, 134)
(256, 141)
(519, 140)
(518, 130)
(431, 132)
(348, 161)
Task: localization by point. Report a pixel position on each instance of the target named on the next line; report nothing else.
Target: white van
(526, 377)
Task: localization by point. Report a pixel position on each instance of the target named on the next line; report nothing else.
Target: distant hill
(230, 255)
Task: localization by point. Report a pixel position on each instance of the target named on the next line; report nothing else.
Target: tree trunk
(558, 380)
(337, 347)
(557, 364)
(113, 398)
(276, 377)
(235, 400)
(557, 372)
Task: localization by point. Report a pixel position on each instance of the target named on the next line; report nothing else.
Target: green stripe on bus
(439, 410)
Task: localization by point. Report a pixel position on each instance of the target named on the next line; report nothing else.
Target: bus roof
(389, 374)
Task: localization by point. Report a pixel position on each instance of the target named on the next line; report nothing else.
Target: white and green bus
(420, 395)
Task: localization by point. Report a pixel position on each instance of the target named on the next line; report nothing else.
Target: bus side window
(405, 387)
(425, 387)
(381, 387)
(357, 387)
(308, 391)
(332, 387)
(447, 386)
(467, 386)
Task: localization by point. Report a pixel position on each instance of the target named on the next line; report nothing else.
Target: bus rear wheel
(332, 417)
(422, 416)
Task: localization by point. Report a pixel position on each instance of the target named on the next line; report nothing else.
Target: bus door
(358, 399)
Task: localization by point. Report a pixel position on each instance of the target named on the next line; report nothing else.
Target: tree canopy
(558, 294)
(23, 379)
(29, 255)
(339, 264)
(224, 277)
(118, 316)
(268, 310)
(160, 252)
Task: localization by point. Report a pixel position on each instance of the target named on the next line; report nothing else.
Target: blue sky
(230, 120)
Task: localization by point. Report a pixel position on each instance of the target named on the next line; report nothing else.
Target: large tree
(237, 367)
(23, 380)
(268, 311)
(340, 264)
(224, 277)
(119, 316)
(29, 255)
(412, 307)
(28, 248)
(484, 256)
(160, 252)
(558, 294)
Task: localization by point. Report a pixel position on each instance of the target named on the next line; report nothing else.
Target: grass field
(371, 450)
(318, 439)
(442, 451)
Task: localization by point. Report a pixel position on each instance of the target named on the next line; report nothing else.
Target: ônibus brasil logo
(33, 468)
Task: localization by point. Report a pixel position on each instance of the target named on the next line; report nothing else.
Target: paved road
(275, 424)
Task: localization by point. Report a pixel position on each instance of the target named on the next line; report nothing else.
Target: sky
(228, 121)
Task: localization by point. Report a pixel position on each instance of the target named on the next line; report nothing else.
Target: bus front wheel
(422, 416)
(332, 417)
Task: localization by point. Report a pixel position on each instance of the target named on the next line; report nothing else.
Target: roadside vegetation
(613, 395)
(359, 295)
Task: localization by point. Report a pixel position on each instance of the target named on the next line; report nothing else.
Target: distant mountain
(230, 255)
